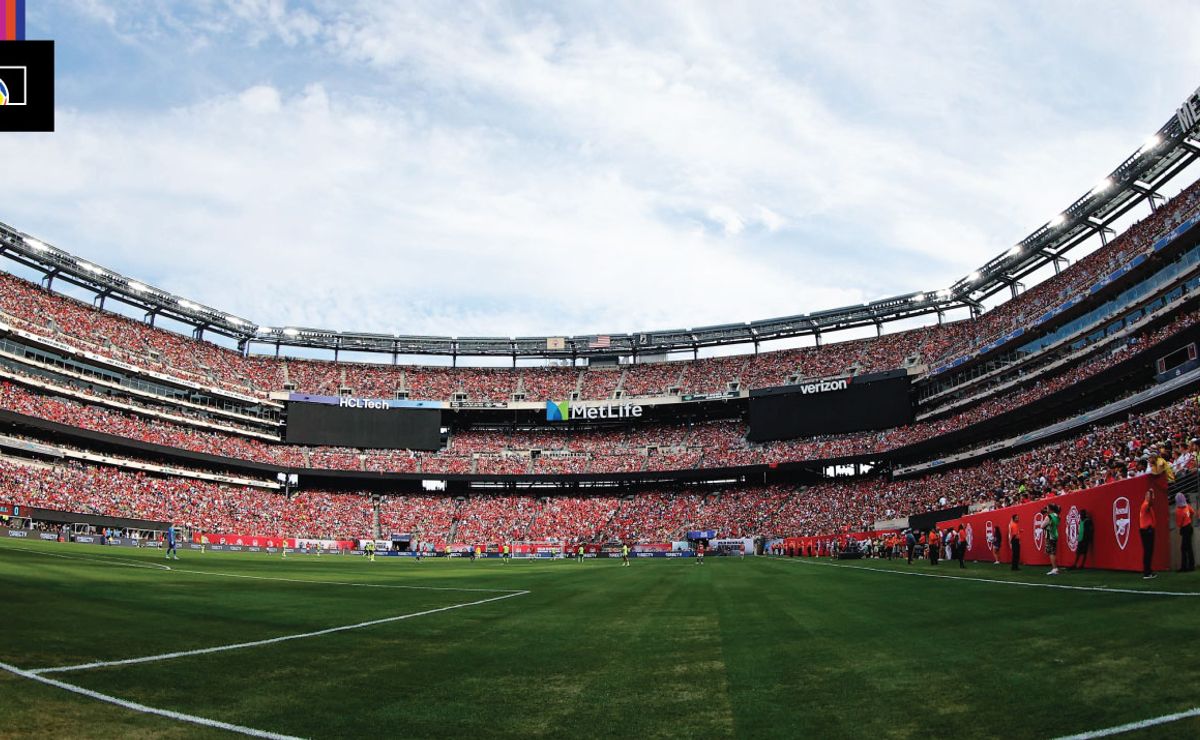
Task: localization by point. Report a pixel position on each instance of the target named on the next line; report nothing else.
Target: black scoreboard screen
(385, 428)
(831, 406)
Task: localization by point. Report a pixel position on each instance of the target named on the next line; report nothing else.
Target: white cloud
(486, 169)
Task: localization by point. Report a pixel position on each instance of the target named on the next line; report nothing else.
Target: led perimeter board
(831, 406)
(389, 428)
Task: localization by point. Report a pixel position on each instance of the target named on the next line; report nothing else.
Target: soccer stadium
(965, 507)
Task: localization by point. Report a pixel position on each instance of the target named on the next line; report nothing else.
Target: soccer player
(579, 558)
(371, 550)
(505, 555)
(171, 543)
(478, 552)
(624, 554)
(995, 543)
(203, 543)
(700, 554)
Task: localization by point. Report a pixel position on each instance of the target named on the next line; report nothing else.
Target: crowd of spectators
(1076, 280)
(649, 446)
(1093, 457)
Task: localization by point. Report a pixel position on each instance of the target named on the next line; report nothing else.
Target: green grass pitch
(747, 649)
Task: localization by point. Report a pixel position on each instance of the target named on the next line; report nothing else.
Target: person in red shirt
(1146, 530)
(1014, 541)
(1184, 516)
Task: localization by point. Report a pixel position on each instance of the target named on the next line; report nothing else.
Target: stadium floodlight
(1058, 220)
(91, 268)
(1103, 185)
(234, 319)
(265, 330)
(35, 244)
(290, 332)
(944, 292)
(188, 304)
(974, 276)
(1014, 251)
(137, 287)
(1151, 142)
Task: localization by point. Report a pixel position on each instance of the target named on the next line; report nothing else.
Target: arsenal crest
(1121, 521)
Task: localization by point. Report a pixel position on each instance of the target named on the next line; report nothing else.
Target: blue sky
(544, 168)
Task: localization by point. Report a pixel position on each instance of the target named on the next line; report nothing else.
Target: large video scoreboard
(831, 406)
(358, 422)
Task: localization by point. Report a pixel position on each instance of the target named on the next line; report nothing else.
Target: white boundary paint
(36, 674)
(1130, 727)
(114, 560)
(1101, 589)
(93, 558)
(1141, 725)
(142, 708)
(269, 641)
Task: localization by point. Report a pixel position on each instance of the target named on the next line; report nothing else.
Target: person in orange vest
(935, 542)
(1146, 530)
(1184, 516)
(1014, 541)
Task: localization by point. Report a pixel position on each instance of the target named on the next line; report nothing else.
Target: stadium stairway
(1187, 484)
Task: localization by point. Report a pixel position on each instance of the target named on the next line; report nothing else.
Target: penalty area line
(268, 641)
(1061, 586)
(142, 708)
(1130, 727)
(124, 562)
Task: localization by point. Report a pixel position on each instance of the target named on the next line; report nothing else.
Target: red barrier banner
(243, 540)
(1113, 508)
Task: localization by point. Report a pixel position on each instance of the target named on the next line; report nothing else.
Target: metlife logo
(567, 411)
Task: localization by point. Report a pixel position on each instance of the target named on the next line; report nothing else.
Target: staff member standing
(1146, 530)
(1014, 541)
(1184, 516)
(1084, 541)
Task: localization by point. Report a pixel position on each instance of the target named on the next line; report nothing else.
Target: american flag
(603, 341)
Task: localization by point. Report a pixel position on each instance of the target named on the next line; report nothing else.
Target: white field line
(36, 674)
(1101, 589)
(509, 591)
(1140, 725)
(94, 558)
(269, 641)
(114, 560)
(142, 708)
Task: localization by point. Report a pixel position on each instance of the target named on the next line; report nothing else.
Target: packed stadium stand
(107, 415)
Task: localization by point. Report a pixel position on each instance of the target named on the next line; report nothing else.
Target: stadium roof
(1138, 178)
